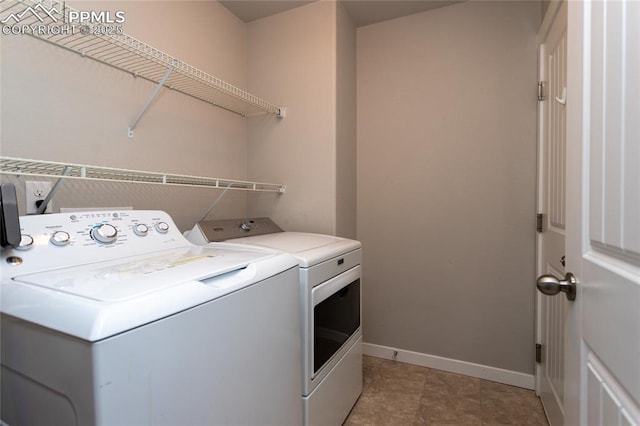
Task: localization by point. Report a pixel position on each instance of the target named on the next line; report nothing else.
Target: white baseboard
(480, 371)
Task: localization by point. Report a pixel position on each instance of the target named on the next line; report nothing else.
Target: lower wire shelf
(20, 166)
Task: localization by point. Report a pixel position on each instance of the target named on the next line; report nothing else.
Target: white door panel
(607, 404)
(603, 212)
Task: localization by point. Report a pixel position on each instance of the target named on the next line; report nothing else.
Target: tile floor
(396, 393)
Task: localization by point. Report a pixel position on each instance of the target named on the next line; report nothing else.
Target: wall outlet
(35, 191)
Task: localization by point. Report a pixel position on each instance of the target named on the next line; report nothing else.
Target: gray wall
(446, 145)
(301, 59)
(292, 60)
(346, 188)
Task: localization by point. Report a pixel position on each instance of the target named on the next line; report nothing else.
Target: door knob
(549, 284)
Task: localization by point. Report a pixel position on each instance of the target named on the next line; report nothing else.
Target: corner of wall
(346, 188)
(292, 60)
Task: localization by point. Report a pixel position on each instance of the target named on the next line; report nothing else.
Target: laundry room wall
(446, 182)
(59, 106)
(346, 160)
(294, 59)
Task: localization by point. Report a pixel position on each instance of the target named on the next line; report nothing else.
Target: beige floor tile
(401, 404)
(374, 419)
(400, 394)
(449, 398)
(510, 405)
(370, 366)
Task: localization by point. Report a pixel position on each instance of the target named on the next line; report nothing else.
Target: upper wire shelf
(55, 22)
(20, 166)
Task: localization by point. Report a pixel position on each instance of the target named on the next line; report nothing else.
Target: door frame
(545, 27)
(543, 33)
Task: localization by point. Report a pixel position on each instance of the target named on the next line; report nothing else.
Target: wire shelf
(24, 167)
(54, 22)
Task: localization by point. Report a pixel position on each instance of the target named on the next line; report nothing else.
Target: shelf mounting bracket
(146, 106)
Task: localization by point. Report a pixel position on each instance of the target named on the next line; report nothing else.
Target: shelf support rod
(146, 106)
(53, 191)
(215, 202)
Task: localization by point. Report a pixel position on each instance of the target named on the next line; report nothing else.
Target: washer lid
(123, 279)
(309, 249)
(100, 300)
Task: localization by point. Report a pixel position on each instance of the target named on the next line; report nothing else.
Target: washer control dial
(140, 229)
(162, 227)
(59, 238)
(26, 242)
(245, 227)
(104, 233)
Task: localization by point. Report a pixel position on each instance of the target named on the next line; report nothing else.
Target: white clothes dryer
(330, 291)
(113, 318)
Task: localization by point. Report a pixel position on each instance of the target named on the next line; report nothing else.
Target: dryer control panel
(210, 231)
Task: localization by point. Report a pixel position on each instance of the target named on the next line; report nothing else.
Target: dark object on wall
(9, 217)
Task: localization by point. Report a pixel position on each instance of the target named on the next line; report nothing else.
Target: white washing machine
(331, 309)
(113, 318)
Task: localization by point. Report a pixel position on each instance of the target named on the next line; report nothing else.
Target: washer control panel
(68, 239)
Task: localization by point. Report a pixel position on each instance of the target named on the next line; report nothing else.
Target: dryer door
(336, 315)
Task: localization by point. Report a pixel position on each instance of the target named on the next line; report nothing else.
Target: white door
(551, 310)
(602, 342)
